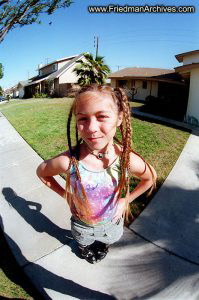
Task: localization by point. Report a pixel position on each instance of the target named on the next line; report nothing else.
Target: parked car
(2, 98)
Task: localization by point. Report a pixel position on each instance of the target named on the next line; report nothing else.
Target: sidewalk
(157, 258)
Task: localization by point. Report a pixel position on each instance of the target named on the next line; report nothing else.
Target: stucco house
(149, 82)
(189, 70)
(21, 88)
(58, 76)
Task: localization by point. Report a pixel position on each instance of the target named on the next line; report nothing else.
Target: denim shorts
(107, 233)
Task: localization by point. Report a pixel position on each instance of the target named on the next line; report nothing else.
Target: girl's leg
(85, 238)
(112, 232)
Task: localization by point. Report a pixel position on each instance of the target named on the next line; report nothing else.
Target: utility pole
(47, 60)
(96, 45)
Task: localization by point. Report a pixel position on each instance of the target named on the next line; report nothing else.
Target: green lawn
(42, 123)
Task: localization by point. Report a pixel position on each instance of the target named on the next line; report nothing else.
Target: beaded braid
(126, 132)
(84, 208)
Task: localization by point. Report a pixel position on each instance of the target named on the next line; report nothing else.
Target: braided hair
(120, 99)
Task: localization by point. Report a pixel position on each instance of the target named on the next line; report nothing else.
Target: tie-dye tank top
(101, 189)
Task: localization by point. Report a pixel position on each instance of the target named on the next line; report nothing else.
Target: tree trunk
(3, 33)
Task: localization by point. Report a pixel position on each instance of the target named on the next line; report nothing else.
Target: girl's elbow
(39, 171)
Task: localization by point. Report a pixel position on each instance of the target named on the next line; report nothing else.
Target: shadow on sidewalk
(138, 269)
(171, 218)
(31, 213)
(49, 280)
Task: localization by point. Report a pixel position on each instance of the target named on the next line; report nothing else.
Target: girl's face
(97, 119)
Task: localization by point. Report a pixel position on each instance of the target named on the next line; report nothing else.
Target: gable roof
(22, 83)
(57, 73)
(180, 56)
(140, 72)
(58, 61)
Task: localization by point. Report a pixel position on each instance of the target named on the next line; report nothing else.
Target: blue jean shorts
(107, 233)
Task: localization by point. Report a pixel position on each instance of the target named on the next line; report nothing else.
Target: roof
(57, 73)
(155, 74)
(187, 68)
(140, 72)
(180, 56)
(22, 83)
(59, 60)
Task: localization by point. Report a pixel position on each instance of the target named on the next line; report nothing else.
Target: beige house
(145, 82)
(57, 76)
(21, 91)
(190, 71)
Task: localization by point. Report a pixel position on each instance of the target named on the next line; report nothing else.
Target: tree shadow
(49, 280)
(167, 263)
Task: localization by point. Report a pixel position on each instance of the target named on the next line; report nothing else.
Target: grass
(42, 123)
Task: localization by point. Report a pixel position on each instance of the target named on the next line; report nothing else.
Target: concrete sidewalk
(156, 259)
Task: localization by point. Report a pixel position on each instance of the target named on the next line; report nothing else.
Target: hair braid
(83, 208)
(126, 132)
(68, 130)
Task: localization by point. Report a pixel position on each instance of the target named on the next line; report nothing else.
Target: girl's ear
(120, 118)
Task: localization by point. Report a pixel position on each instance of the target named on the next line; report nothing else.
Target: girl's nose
(92, 125)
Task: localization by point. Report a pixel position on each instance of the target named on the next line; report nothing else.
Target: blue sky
(125, 40)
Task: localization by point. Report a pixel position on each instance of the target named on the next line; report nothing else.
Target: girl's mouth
(94, 139)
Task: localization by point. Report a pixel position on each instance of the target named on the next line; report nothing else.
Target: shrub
(40, 95)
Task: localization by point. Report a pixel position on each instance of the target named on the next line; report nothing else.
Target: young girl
(98, 169)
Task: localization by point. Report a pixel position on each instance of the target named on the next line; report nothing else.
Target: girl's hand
(120, 208)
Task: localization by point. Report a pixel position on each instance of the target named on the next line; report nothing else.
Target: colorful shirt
(101, 188)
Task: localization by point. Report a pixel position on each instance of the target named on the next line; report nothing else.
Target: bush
(40, 95)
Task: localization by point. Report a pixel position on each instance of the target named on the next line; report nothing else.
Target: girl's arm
(139, 169)
(49, 168)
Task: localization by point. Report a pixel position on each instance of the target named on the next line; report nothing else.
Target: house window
(122, 83)
(144, 84)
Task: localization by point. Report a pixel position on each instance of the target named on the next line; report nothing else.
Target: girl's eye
(102, 117)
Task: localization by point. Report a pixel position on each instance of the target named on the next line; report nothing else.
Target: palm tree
(90, 70)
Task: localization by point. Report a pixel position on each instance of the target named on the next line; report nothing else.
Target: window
(144, 84)
(122, 83)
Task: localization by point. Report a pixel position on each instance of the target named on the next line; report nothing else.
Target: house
(9, 92)
(21, 88)
(145, 82)
(189, 70)
(56, 78)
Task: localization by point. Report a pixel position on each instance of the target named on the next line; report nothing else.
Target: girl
(98, 169)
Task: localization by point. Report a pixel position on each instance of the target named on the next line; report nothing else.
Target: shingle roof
(58, 60)
(140, 72)
(23, 83)
(57, 73)
(65, 67)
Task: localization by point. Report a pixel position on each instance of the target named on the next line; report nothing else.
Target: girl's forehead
(92, 101)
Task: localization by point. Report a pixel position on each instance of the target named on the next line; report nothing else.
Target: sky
(125, 40)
